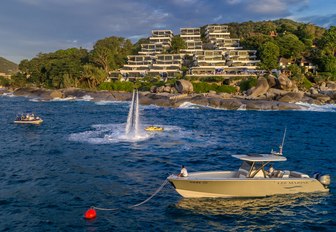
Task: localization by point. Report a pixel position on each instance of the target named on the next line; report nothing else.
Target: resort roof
(260, 157)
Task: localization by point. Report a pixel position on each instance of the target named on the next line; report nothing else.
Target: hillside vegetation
(7, 67)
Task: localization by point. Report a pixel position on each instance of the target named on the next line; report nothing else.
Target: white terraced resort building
(216, 54)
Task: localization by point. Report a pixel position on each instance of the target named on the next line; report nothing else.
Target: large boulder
(292, 97)
(320, 97)
(56, 94)
(330, 85)
(184, 86)
(285, 83)
(225, 95)
(173, 90)
(260, 89)
(274, 94)
(160, 89)
(167, 89)
(271, 81)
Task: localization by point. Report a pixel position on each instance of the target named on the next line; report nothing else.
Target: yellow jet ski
(154, 128)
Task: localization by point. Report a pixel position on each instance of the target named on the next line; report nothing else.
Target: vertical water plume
(133, 121)
(137, 119)
(130, 116)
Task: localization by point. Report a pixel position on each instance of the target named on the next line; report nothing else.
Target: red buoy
(90, 214)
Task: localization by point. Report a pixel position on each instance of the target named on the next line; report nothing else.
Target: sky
(30, 27)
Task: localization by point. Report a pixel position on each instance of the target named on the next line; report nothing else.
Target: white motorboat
(250, 180)
(28, 119)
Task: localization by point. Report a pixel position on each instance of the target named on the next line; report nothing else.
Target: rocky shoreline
(220, 101)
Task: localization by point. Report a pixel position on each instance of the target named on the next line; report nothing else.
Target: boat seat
(298, 175)
(279, 174)
(242, 173)
(286, 174)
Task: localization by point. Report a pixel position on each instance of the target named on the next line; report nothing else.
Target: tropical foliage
(203, 87)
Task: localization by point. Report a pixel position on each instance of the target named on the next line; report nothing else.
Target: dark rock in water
(292, 97)
(74, 92)
(56, 94)
(231, 104)
(331, 94)
(43, 94)
(320, 97)
(155, 99)
(164, 99)
(270, 105)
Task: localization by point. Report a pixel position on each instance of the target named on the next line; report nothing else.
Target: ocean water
(79, 157)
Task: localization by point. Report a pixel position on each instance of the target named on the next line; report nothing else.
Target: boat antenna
(283, 142)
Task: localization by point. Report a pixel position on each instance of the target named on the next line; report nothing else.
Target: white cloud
(219, 17)
(267, 6)
(189, 3)
(234, 2)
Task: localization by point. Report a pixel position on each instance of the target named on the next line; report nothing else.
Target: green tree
(269, 55)
(266, 27)
(92, 76)
(111, 53)
(290, 46)
(177, 44)
(52, 69)
(296, 72)
(255, 41)
(328, 64)
(328, 42)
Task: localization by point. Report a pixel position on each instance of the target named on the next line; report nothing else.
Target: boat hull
(29, 122)
(244, 187)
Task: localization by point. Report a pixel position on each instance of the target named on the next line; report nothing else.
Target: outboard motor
(324, 179)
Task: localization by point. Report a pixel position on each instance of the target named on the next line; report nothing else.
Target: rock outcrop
(184, 86)
(56, 94)
(271, 81)
(328, 86)
(285, 83)
(260, 89)
(292, 97)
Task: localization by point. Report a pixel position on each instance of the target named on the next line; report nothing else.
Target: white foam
(103, 103)
(115, 133)
(10, 94)
(148, 107)
(242, 107)
(64, 99)
(189, 105)
(317, 108)
(107, 134)
(85, 98)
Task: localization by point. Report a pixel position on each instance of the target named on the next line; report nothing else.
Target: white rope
(133, 206)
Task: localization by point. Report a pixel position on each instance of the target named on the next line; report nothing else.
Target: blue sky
(28, 27)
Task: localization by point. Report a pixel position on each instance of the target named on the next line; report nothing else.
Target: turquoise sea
(79, 157)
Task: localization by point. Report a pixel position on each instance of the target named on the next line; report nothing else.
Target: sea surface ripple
(52, 173)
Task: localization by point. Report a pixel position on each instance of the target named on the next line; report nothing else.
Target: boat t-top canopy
(260, 157)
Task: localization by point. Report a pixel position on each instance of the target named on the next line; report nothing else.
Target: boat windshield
(252, 169)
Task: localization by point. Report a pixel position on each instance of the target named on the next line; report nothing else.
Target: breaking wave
(317, 108)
